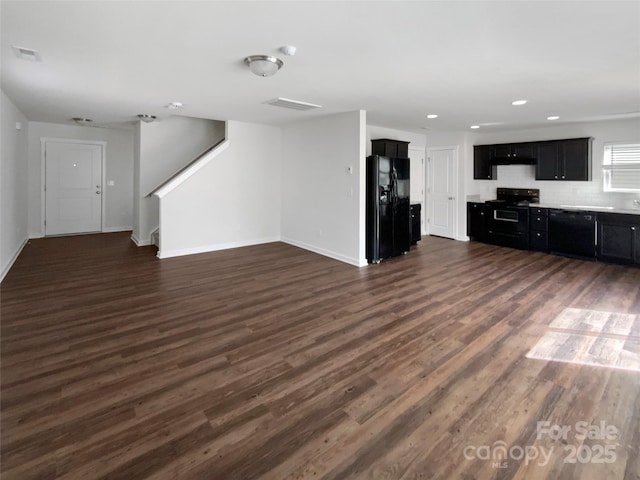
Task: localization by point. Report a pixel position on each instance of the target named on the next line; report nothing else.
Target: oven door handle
(500, 219)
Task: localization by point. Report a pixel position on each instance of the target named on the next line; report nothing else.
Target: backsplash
(555, 192)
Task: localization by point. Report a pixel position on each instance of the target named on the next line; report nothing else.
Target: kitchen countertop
(588, 208)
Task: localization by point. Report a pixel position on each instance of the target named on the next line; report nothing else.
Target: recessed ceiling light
(518, 102)
(554, 117)
(174, 105)
(432, 115)
(475, 126)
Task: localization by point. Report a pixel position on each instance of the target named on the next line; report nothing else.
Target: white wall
(162, 149)
(232, 201)
(118, 166)
(555, 192)
(323, 206)
(14, 202)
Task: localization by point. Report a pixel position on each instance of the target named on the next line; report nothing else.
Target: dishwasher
(572, 233)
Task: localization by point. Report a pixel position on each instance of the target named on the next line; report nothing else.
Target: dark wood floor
(272, 362)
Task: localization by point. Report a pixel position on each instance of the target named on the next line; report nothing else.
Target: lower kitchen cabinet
(416, 223)
(476, 227)
(619, 238)
(539, 233)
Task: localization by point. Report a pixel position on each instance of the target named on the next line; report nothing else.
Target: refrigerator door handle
(394, 188)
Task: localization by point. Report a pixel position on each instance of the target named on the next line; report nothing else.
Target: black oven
(508, 225)
(507, 217)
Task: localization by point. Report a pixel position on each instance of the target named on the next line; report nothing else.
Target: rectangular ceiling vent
(26, 53)
(293, 104)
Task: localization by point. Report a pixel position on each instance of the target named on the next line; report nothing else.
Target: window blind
(621, 167)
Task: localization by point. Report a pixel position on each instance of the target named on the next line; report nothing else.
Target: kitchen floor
(271, 362)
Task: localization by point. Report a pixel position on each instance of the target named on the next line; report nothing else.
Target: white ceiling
(465, 61)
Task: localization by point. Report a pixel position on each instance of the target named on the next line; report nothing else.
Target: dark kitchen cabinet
(482, 167)
(416, 230)
(619, 238)
(390, 148)
(564, 159)
(476, 226)
(539, 233)
(513, 151)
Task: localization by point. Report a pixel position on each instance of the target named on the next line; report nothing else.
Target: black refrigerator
(388, 225)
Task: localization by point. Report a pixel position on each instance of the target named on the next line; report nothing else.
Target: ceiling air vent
(293, 104)
(26, 53)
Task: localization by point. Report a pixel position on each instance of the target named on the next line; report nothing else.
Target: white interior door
(73, 188)
(417, 182)
(441, 191)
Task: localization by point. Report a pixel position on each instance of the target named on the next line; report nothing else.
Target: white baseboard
(215, 247)
(327, 253)
(139, 242)
(13, 259)
(127, 228)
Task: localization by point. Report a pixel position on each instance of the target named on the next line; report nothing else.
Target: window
(621, 167)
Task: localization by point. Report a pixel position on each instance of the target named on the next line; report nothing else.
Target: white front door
(441, 215)
(417, 181)
(73, 187)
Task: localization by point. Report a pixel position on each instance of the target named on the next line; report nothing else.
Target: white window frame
(626, 166)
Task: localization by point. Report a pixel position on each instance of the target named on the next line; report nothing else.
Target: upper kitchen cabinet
(390, 148)
(482, 167)
(512, 153)
(564, 159)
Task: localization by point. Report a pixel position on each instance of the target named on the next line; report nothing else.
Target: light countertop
(588, 208)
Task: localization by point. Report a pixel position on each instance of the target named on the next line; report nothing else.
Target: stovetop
(520, 197)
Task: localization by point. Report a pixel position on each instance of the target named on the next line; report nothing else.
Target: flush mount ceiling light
(174, 105)
(553, 117)
(83, 122)
(475, 126)
(263, 65)
(518, 102)
(432, 115)
(146, 118)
